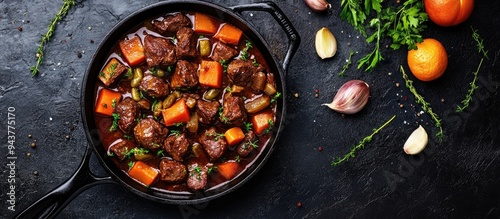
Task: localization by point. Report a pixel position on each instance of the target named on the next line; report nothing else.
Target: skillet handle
(284, 22)
(50, 205)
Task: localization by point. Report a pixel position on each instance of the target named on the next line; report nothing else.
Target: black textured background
(456, 179)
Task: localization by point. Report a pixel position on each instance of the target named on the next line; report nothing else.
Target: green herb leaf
(114, 125)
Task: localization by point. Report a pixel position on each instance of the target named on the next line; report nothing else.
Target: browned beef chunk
(240, 72)
(185, 75)
(248, 144)
(159, 51)
(176, 146)
(121, 148)
(223, 52)
(233, 111)
(171, 23)
(214, 143)
(186, 43)
(154, 86)
(111, 73)
(207, 111)
(197, 178)
(172, 171)
(128, 110)
(150, 134)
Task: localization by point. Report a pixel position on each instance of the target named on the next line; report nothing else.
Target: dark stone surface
(458, 178)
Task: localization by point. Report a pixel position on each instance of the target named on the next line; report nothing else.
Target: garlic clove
(326, 44)
(416, 142)
(318, 5)
(351, 97)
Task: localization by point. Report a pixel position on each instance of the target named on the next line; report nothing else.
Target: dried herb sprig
(46, 37)
(361, 144)
(479, 41)
(425, 105)
(347, 64)
(473, 86)
(470, 92)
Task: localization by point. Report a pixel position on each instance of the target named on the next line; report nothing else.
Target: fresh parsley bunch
(403, 24)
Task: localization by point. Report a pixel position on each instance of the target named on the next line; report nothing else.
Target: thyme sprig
(470, 92)
(425, 105)
(479, 41)
(46, 37)
(473, 85)
(361, 144)
(347, 64)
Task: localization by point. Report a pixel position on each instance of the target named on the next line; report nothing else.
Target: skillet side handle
(284, 22)
(50, 205)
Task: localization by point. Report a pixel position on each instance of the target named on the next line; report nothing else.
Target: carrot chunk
(234, 135)
(262, 121)
(210, 74)
(106, 101)
(204, 24)
(229, 34)
(143, 173)
(177, 113)
(133, 51)
(228, 169)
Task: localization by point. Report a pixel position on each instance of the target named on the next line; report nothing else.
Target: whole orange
(429, 61)
(448, 12)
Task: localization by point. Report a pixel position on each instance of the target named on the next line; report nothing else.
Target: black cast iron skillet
(53, 202)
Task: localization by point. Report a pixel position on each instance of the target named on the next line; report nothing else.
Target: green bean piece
(135, 94)
(258, 104)
(205, 47)
(192, 124)
(169, 100)
(137, 77)
(159, 73)
(157, 108)
(211, 94)
(190, 103)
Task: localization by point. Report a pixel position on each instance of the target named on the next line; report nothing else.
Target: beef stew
(179, 105)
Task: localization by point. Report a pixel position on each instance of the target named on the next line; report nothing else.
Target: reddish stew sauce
(119, 77)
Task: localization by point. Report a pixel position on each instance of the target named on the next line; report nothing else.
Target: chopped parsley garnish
(248, 126)
(130, 164)
(128, 137)
(223, 63)
(129, 74)
(270, 128)
(244, 55)
(110, 154)
(160, 153)
(216, 135)
(255, 63)
(275, 98)
(178, 124)
(237, 158)
(113, 103)
(210, 169)
(175, 132)
(224, 119)
(136, 151)
(114, 125)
